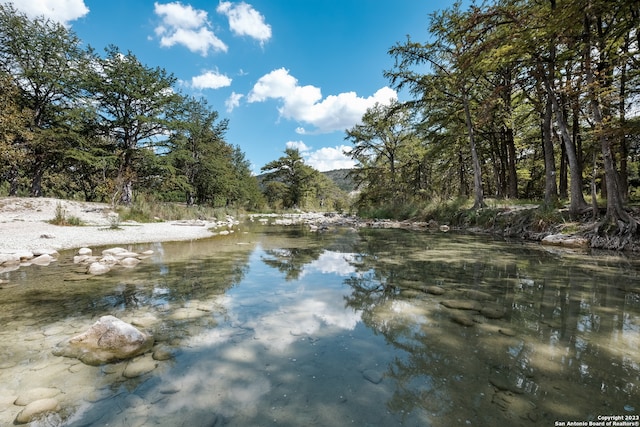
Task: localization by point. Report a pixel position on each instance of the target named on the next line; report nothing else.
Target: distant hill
(338, 176)
(341, 179)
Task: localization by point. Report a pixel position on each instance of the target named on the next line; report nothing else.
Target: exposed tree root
(618, 233)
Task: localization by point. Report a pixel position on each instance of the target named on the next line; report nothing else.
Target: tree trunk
(577, 203)
(478, 195)
(512, 191)
(550, 186)
(615, 209)
(462, 175)
(563, 186)
(125, 178)
(624, 143)
(13, 180)
(36, 179)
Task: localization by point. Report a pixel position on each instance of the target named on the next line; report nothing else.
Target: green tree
(452, 57)
(291, 171)
(246, 191)
(205, 167)
(606, 29)
(46, 61)
(135, 106)
(193, 145)
(14, 133)
(382, 149)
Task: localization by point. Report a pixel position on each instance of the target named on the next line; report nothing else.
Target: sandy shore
(24, 226)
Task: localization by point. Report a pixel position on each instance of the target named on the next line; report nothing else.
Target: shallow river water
(286, 327)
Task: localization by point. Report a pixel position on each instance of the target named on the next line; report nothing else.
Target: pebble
(372, 376)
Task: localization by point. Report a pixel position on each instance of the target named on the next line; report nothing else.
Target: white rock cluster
(12, 260)
(109, 259)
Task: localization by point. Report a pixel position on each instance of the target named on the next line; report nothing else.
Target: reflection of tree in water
(557, 352)
(291, 261)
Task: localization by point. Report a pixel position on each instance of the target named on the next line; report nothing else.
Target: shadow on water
(376, 327)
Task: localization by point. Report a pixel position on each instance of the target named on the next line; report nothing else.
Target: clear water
(285, 327)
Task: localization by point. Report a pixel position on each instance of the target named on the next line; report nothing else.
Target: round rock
(36, 409)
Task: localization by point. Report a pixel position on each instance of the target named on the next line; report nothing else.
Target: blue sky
(284, 72)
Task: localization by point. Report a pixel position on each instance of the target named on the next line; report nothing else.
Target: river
(273, 326)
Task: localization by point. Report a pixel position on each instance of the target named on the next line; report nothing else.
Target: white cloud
(177, 15)
(330, 158)
(182, 24)
(61, 11)
(326, 158)
(244, 20)
(233, 101)
(305, 103)
(299, 145)
(210, 80)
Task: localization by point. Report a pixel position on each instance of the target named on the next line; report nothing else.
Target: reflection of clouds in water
(330, 262)
(404, 312)
(230, 381)
(279, 311)
(304, 316)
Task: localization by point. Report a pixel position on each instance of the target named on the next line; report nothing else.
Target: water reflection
(380, 327)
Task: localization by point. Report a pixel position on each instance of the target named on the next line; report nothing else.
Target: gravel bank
(24, 226)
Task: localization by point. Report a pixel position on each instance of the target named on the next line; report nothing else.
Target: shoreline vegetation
(516, 101)
(44, 225)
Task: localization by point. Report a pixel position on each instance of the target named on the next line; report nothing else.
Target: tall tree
(135, 105)
(451, 57)
(14, 133)
(245, 191)
(291, 171)
(378, 144)
(194, 144)
(605, 27)
(46, 61)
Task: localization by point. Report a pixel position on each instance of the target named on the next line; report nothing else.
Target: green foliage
(290, 183)
(45, 63)
(486, 88)
(76, 124)
(147, 208)
(61, 218)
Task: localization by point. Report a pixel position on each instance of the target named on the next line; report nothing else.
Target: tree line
(74, 123)
(105, 127)
(512, 99)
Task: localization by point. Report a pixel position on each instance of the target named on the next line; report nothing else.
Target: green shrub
(60, 218)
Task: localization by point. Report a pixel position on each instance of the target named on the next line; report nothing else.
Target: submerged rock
(477, 295)
(108, 340)
(44, 259)
(97, 268)
(372, 375)
(493, 312)
(129, 262)
(459, 304)
(462, 319)
(435, 290)
(36, 394)
(37, 408)
(138, 367)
